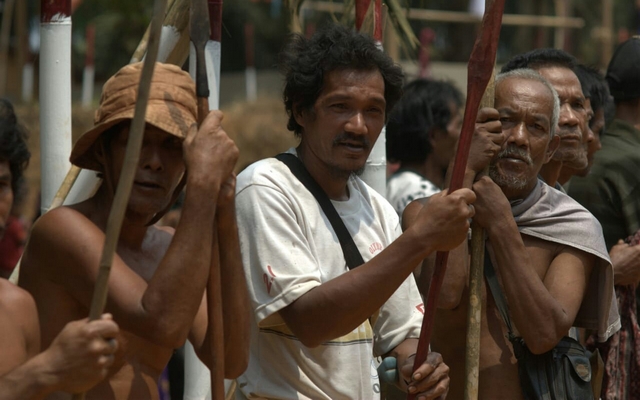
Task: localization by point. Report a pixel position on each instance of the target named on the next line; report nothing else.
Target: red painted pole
(361, 10)
(377, 20)
(479, 71)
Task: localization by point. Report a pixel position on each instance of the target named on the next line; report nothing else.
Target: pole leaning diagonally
(125, 183)
(480, 69)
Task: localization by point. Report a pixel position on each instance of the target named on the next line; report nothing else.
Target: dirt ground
(259, 130)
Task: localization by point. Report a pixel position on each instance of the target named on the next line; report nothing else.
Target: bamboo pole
(474, 312)
(125, 183)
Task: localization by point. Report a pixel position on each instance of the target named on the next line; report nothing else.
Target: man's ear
(554, 143)
(299, 115)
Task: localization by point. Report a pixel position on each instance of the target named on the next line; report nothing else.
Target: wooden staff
(132, 157)
(199, 32)
(474, 312)
(479, 73)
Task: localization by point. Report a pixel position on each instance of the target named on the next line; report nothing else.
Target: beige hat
(172, 106)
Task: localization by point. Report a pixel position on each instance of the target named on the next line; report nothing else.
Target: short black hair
(305, 62)
(13, 143)
(424, 107)
(596, 89)
(540, 58)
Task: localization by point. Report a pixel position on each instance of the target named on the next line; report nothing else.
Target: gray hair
(529, 74)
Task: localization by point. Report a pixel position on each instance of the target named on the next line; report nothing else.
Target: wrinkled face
(6, 195)
(444, 142)
(346, 120)
(572, 124)
(595, 125)
(525, 108)
(159, 169)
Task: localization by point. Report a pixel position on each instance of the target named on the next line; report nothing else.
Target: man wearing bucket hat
(612, 193)
(158, 276)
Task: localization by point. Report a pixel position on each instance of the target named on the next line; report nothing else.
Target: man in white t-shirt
(318, 325)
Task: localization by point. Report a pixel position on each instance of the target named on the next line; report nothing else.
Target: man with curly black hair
(315, 319)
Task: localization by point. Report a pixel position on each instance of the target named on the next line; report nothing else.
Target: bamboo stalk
(125, 183)
(474, 312)
(65, 188)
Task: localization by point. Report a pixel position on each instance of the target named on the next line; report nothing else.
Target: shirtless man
(158, 277)
(79, 356)
(544, 269)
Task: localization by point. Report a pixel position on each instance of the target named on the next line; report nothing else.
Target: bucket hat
(172, 107)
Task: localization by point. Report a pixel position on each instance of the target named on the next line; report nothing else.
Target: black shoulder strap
(496, 291)
(351, 253)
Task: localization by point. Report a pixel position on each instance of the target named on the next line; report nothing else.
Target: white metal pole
(250, 74)
(55, 96)
(375, 171)
(89, 68)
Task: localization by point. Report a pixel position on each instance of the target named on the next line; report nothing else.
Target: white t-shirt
(405, 186)
(288, 248)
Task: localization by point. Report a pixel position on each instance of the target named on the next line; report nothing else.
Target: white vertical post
(375, 171)
(55, 96)
(250, 74)
(89, 68)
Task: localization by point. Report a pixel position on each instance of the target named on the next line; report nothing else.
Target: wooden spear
(474, 312)
(199, 31)
(479, 73)
(132, 157)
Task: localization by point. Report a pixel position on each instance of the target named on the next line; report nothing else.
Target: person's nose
(568, 116)
(517, 136)
(356, 124)
(588, 136)
(150, 158)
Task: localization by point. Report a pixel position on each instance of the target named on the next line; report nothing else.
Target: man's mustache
(513, 151)
(351, 138)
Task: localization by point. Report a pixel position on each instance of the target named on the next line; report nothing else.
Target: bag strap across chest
(351, 253)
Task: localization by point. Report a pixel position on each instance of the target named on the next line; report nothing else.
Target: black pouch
(563, 373)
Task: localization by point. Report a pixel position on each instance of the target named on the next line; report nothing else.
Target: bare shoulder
(19, 328)
(59, 239)
(16, 300)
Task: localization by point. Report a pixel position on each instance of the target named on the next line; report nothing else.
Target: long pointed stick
(200, 33)
(132, 157)
(474, 312)
(479, 72)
